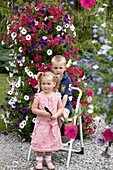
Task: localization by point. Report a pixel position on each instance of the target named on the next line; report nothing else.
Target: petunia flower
(87, 3)
(23, 31)
(108, 134)
(28, 37)
(26, 97)
(59, 28)
(49, 52)
(71, 131)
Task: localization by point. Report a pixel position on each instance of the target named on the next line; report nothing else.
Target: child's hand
(46, 114)
(54, 117)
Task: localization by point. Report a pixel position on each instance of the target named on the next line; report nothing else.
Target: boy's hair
(40, 75)
(58, 58)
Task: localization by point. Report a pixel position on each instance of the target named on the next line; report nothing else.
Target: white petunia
(90, 111)
(26, 97)
(15, 71)
(17, 85)
(72, 27)
(20, 49)
(24, 122)
(74, 63)
(69, 63)
(49, 52)
(44, 37)
(34, 120)
(36, 23)
(2, 42)
(23, 59)
(26, 118)
(7, 68)
(23, 31)
(21, 64)
(84, 77)
(21, 125)
(10, 92)
(30, 74)
(28, 37)
(13, 35)
(66, 25)
(10, 74)
(26, 69)
(59, 28)
(74, 34)
(91, 106)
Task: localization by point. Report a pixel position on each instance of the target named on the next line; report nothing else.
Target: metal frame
(69, 149)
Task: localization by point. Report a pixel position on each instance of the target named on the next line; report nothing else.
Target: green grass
(4, 87)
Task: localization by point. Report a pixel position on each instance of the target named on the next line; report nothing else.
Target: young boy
(58, 66)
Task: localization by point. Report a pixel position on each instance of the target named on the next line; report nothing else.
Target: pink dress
(46, 135)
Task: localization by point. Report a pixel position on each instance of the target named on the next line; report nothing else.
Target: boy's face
(58, 68)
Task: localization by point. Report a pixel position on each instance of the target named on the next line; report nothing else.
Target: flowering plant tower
(35, 34)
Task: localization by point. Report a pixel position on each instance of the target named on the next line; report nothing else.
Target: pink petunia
(71, 131)
(111, 89)
(87, 3)
(79, 71)
(40, 25)
(89, 92)
(108, 134)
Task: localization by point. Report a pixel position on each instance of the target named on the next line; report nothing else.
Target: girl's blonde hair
(58, 58)
(55, 78)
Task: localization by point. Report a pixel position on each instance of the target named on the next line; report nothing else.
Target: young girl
(46, 136)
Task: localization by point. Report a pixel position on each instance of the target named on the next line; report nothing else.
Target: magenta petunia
(108, 134)
(111, 89)
(71, 131)
(87, 3)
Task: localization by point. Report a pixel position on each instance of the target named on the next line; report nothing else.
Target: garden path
(13, 156)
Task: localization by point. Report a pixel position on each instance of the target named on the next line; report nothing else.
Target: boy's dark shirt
(65, 88)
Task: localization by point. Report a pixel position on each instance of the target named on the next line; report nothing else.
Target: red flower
(71, 131)
(87, 3)
(89, 92)
(89, 121)
(80, 72)
(90, 131)
(35, 36)
(108, 134)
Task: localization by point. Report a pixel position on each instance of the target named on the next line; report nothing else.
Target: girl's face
(47, 84)
(58, 68)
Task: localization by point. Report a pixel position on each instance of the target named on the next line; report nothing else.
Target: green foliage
(40, 33)
(4, 59)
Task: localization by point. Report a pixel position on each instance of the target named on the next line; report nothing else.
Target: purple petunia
(19, 57)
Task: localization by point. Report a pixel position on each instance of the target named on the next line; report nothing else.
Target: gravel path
(13, 156)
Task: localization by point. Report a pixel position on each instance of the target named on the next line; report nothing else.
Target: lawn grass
(4, 87)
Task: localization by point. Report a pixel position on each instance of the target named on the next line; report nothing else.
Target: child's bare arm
(59, 111)
(37, 111)
(64, 100)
